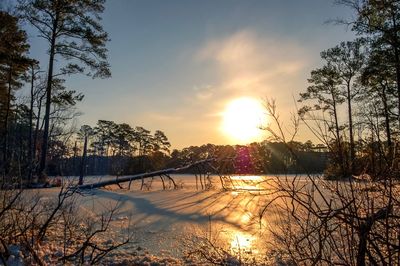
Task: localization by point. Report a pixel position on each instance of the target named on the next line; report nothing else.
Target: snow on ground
(169, 224)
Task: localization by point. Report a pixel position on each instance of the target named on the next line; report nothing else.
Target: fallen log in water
(165, 172)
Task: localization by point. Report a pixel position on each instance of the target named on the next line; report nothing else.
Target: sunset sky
(176, 65)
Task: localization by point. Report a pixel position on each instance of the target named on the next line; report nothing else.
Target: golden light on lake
(243, 243)
(242, 119)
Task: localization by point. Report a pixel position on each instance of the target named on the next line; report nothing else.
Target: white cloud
(248, 63)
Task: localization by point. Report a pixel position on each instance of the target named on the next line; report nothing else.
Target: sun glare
(242, 119)
(242, 242)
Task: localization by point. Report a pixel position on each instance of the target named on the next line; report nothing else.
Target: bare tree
(336, 222)
(32, 222)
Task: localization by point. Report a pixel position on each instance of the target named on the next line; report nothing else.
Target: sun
(242, 119)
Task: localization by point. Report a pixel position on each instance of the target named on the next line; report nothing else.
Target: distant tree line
(111, 148)
(125, 150)
(258, 158)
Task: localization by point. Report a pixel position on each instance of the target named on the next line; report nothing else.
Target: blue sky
(176, 64)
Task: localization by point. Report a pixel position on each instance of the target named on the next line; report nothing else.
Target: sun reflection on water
(247, 177)
(246, 191)
(243, 243)
(246, 184)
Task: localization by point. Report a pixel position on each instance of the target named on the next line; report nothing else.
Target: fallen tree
(160, 173)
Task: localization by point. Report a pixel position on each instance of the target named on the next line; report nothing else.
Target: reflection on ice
(247, 178)
(247, 183)
(245, 218)
(230, 222)
(243, 243)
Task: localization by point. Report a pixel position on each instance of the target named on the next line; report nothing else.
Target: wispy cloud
(244, 64)
(250, 63)
(203, 92)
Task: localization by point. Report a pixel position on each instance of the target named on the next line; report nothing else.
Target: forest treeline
(119, 149)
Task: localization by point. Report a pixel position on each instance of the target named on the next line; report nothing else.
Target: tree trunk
(387, 123)
(75, 172)
(352, 148)
(42, 166)
(35, 134)
(397, 64)
(397, 58)
(83, 161)
(30, 142)
(5, 135)
(362, 245)
(339, 144)
(164, 172)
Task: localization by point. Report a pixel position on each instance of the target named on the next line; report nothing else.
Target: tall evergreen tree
(73, 31)
(84, 133)
(160, 142)
(380, 91)
(325, 95)
(347, 59)
(379, 21)
(13, 64)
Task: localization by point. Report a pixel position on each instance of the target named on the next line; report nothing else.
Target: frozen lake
(174, 222)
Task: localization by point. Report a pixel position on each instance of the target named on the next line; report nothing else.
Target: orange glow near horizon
(242, 119)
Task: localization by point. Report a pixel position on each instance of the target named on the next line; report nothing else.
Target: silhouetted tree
(347, 59)
(73, 32)
(84, 133)
(160, 142)
(325, 96)
(13, 64)
(379, 21)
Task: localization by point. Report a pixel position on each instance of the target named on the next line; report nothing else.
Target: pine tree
(73, 32)
(13, 64)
